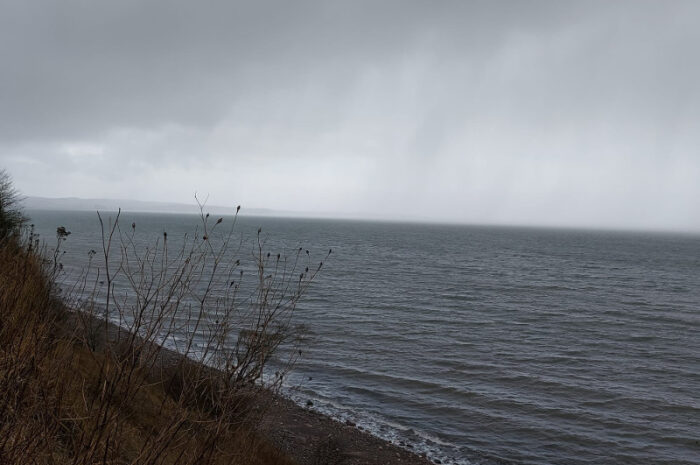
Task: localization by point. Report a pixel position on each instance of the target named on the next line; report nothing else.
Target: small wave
(411, 439)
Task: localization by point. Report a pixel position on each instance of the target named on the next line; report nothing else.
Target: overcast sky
(523, 112)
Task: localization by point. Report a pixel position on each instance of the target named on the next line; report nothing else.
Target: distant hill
(77, 204)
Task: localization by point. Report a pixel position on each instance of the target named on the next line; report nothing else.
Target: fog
(536, 113)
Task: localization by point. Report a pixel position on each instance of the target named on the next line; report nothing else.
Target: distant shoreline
(74, 204)
(79, 204)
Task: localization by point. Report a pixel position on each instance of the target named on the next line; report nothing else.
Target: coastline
(306, 436)
(312, 438)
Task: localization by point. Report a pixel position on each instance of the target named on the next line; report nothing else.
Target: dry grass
(75, 389)
(64, 402)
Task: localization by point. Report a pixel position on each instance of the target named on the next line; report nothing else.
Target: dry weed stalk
(95, 384)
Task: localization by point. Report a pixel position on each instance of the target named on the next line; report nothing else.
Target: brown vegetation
(77, 389)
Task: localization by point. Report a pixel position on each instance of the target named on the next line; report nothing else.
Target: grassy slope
(62, 402)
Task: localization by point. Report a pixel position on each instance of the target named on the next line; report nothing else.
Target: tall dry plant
(161, 355)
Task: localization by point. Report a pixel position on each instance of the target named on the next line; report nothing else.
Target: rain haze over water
(483, 309)
(557, 113)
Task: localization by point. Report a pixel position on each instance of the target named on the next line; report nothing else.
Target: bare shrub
(160, 356)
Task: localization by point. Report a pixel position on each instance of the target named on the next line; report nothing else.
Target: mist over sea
(485, 344)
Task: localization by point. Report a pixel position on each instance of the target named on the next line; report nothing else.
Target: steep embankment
(69, 398)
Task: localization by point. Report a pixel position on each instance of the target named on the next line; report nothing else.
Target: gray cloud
(558, 113)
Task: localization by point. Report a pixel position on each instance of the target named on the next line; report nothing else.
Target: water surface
(481, 344)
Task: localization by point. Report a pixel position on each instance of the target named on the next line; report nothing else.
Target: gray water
(485, 344)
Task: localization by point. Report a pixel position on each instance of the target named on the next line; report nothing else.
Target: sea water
(485, 344)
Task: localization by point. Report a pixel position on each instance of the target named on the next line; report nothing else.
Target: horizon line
(310, 215)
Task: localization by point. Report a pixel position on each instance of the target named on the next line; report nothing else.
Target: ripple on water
(479, 344)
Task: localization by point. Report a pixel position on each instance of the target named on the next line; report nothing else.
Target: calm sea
(485, 344)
